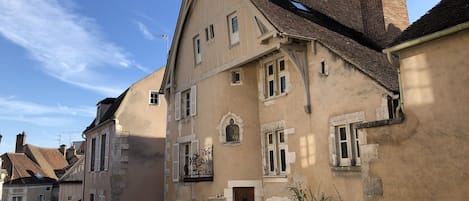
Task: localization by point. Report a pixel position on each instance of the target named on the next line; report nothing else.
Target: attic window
(299, 5)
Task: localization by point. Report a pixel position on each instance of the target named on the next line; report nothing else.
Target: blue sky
(59, 58)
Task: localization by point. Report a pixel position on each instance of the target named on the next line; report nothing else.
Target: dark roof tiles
(446, 14)
(366, 59)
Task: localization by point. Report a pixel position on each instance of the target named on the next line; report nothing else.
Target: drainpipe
(394, 60)
(84, 168)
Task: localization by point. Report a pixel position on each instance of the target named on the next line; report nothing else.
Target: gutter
(394, 59)
(426, 38)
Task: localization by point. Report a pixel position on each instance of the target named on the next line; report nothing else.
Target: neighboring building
(71, 183)
(32, 172)
(265, 94)
(426, 156)
(125, 145)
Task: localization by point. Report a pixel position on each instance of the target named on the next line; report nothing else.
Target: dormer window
(299, 6)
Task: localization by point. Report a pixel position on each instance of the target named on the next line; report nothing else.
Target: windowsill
(323, 74)
(346, 170)
(232, 45)
(275, 178)
(236, 84)
(275, 97)
(232, 143)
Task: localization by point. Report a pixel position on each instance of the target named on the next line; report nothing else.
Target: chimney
(62, 149)
(384, 20)
(70, 153)
(20, 142)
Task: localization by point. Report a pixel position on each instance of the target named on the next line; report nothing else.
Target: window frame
(275, 77)
(93, 144)
(275, 153)
(233, 28)
(185, 103)
(153, 97)
(353, 139)
(197, 49)
(233, 73)
(103, 152)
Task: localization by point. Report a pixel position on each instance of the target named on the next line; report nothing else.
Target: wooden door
(243, 193)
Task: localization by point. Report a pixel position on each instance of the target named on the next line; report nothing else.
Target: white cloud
(43, 115)
(69, 46)
(144, 30)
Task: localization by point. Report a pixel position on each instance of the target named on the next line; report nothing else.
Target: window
(344, 140)
(233, 28)
(91, 197)
(17, 198)
(69, 198)
(93, 154)
(324, 70)
(185, 103)
(41, 198)
(197, 50)
(236, 77)
(275, 152)
(276, 82)
(209, 33)
(183, 155)
(212, 31)
(393, 104)
(299, 5)
(103, 152)
(348, 141)
(153, 98)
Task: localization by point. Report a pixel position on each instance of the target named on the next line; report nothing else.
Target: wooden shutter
(193, 100)
(177, 106)
(175, 162)
(332, 147)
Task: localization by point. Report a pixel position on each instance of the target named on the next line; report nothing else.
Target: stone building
(263, 95)
(125, 145)
(424, 156)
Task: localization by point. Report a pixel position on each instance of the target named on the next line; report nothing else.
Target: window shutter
(90, 153)
(177, 106)
(193, 100)
(106, 156)
(194, 150)
(175, 162)
(332, 147)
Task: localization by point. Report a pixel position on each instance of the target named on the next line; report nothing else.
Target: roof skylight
(299, 5)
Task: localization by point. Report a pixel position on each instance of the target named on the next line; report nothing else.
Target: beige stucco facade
(425, 157)
(28, 192)
(307, 108)
(134, 162)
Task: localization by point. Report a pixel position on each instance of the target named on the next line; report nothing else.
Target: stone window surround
(225, 120)
(290, 156)
(345, 119)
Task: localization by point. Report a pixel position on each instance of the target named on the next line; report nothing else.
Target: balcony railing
(201, 166)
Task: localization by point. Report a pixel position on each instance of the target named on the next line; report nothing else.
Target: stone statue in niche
(232, 132)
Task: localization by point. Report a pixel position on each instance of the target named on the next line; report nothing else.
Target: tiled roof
(48, 159)
(110, 112)
(349, 44)
(444, 15)
(24, 170)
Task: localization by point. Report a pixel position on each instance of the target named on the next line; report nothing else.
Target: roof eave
(426, 38)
